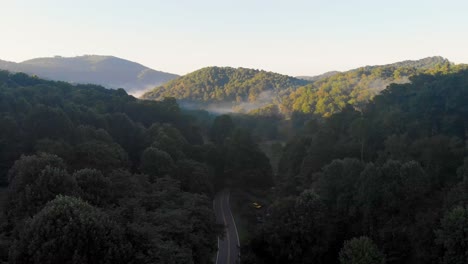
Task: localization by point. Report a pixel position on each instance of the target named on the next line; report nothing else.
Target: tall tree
(360, 250)
(67, 231)
(221, 129)
(453, 236)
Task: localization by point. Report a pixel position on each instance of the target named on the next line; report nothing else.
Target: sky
(292, 37)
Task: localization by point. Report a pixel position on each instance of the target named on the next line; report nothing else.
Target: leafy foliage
(360, 251)
(452, 236)
(297, 231)
(86, 155)
(387, 181)
(330, 95)
(394, 172)
(156, 163)
(227, 85)
(68, 230)
(255, 92)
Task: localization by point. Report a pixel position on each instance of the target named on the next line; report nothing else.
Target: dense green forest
(357, 87)
(385, 184)
(244, 90)
(97, 176)
(226, 87)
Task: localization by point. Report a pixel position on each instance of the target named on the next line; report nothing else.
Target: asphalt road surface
(228, 246)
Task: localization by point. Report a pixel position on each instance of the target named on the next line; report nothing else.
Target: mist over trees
(223, 89)
(96, 176)
(386, 182)
(92, 179)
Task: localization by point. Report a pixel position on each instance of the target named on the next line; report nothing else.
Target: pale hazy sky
(293, 37)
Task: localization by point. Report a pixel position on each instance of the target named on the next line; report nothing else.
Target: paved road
(228, 246)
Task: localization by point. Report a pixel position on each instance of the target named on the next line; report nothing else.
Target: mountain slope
(225, 89)
(425, 63)
(109, 71)
(356, 87)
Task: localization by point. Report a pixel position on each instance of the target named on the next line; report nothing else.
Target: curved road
(228, 245)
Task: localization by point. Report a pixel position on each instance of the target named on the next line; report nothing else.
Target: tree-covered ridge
(387, 184)
(224, 89)
(357, 87)
(318, 77)
(426, 63)
(227, 85)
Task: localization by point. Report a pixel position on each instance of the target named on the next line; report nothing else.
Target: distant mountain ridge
(108, 71)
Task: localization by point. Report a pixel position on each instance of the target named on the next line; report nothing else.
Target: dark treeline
(388, 184)
(97, 176)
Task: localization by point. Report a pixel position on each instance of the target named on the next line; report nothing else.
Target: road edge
(214, 210)
(234, 221)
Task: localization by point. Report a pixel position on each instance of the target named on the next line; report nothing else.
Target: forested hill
(242, 90)
(109, 71)
(224, 87)
(328, 95)
(425, 63)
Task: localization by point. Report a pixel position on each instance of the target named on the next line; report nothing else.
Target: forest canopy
(385, 181)
(224, 89)
(98, 176)
(387, 184)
